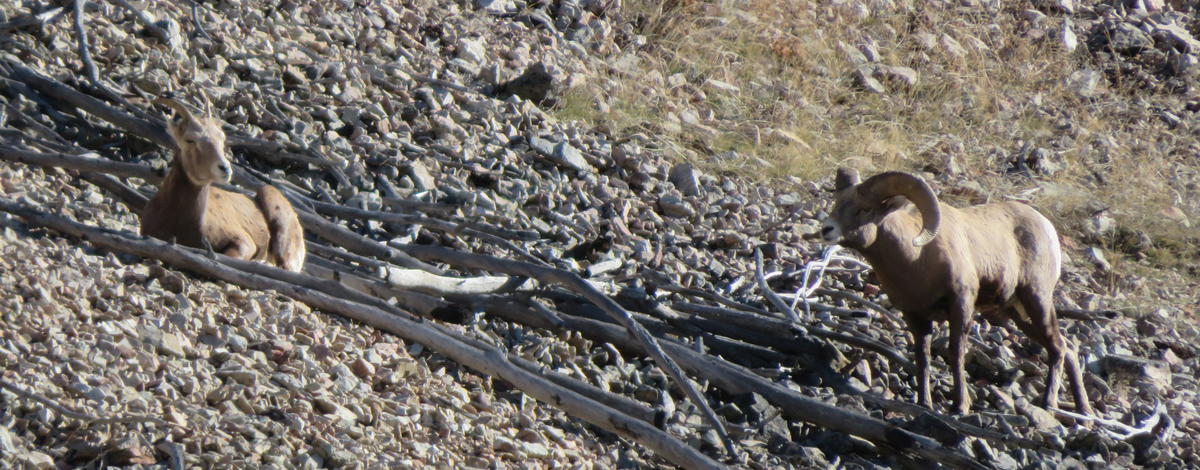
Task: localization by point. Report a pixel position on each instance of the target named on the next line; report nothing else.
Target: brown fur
(998, 258)
(189, 210)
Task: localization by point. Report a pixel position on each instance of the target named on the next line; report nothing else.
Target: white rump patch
(1055, 249)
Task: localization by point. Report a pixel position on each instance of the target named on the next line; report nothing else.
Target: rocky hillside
(567, 134)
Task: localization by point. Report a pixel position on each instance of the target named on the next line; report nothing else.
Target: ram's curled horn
(895, 183)
(179, 108)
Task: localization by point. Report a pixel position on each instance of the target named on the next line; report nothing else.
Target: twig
(1125, 431)
(27, 20)
(196, 19)
(777, 326)
(771, 296)
(896, 321)
(86, 418)
(163, 35)
(662, 282)
(81, 38)
(1086, 315)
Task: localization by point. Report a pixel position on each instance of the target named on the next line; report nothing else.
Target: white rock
(495, 6)
(471, 49)
(1069, 40)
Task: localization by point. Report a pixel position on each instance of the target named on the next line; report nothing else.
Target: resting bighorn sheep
(937, 262)
(189, 210)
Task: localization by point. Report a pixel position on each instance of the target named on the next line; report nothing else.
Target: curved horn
(895, 183)
(179, 108)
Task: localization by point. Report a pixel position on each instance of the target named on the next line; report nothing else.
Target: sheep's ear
(846, 177)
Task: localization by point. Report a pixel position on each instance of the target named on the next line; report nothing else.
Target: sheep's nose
(224, 169)
(826, 231)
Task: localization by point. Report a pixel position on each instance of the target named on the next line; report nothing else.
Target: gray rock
(535, 84)
(1041, 419)
(1057, 6)
(865, 79)
(6, 441)
(903, 78)
(1044, 161)
(685, 179)
(1084, 82)
(34, 460)
(561, 153)
(420, 176)
(496, 6)
(608, 265)
(673, 206)
(1121, 37)
(1137, 371)
(569, 156)
(1176, 36)
(164, 343)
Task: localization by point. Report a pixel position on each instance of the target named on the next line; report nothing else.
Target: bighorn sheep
(937, 262)
(189, 210)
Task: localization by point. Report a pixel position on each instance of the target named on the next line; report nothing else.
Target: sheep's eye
(190, 141)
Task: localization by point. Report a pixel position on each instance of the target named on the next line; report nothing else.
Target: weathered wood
(87, 162)
(421, 281)
(346, 212)
(27, 20)
(574, 283)
(155, 131)
(738, 380)
(152, 131)
(488, 361)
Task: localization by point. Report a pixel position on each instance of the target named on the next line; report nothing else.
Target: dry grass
(794, 107)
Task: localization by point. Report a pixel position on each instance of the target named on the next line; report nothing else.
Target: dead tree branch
(574, 283)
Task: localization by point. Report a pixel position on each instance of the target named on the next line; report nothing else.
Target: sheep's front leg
(960, 318)
(921, 329)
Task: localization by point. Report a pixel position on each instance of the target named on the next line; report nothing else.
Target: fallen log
(738, 380)
(488, 361)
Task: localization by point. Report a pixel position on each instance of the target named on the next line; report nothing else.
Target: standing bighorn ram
(190, 210)
(937, 262)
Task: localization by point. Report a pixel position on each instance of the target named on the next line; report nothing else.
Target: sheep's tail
(287, 248)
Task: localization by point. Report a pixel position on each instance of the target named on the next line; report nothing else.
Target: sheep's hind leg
(960, 318)
(240, 248)
(921, 329)
(1043, 328)
(287, 247)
